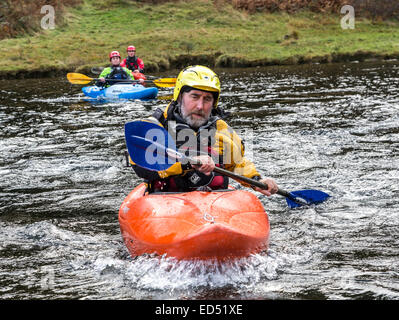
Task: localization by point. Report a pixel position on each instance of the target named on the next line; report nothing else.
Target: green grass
(163, 32)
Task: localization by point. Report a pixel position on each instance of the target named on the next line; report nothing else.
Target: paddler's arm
(145, 174)
(131, 75)
(272, 187)
(129, 72)
(247, 168)
(176, 169)
(207, 164)
(232, 146)
(102, 76)
(141, 65)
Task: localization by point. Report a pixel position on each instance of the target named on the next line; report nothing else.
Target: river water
(331, 127)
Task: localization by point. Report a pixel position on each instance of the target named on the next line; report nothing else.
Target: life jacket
(190, 179)
(118, 73)
(132, 63)
(115, 73)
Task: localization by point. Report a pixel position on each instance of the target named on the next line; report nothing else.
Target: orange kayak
(201, 225)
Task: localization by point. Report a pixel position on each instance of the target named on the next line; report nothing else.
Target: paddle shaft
(258, 184)
(119, 80)
(249, 181)
(79, 78)
(158, 82)
(98, 70)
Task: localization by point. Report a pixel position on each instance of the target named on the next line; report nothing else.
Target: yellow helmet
(198, 77)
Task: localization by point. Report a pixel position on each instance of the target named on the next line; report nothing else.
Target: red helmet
(114, 54)
(131, 48)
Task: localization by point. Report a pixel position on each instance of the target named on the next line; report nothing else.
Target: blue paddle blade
(146, 143)
(308, 196)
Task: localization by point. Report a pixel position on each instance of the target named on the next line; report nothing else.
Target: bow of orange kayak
(194, 225)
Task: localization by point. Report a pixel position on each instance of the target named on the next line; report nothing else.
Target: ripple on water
(328, 127)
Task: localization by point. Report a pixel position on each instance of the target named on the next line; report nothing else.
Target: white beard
(194, 122)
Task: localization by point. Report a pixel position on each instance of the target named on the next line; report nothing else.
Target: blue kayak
(121, 91)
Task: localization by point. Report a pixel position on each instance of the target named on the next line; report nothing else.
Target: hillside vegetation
(172, 34)
(22, 17)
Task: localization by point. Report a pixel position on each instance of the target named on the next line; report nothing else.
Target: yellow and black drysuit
(216, 138)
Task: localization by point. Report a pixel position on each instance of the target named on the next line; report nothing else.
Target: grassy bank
(172, 35)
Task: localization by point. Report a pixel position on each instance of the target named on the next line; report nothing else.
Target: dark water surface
(329, 127)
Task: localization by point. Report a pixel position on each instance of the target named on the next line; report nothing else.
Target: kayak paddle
(162, 154)
(98, 70)
(167, 97)
(79, 78)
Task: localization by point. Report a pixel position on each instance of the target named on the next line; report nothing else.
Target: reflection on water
(327, 127)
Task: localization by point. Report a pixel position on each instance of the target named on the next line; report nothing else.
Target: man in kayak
(115, 72)
(195, 121)
(132, 62)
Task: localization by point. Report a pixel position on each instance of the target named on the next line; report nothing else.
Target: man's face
(196, 107)
(131, 53)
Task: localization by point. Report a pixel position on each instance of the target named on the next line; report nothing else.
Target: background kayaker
(115, 71)
(195, 120)
(133, 63)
